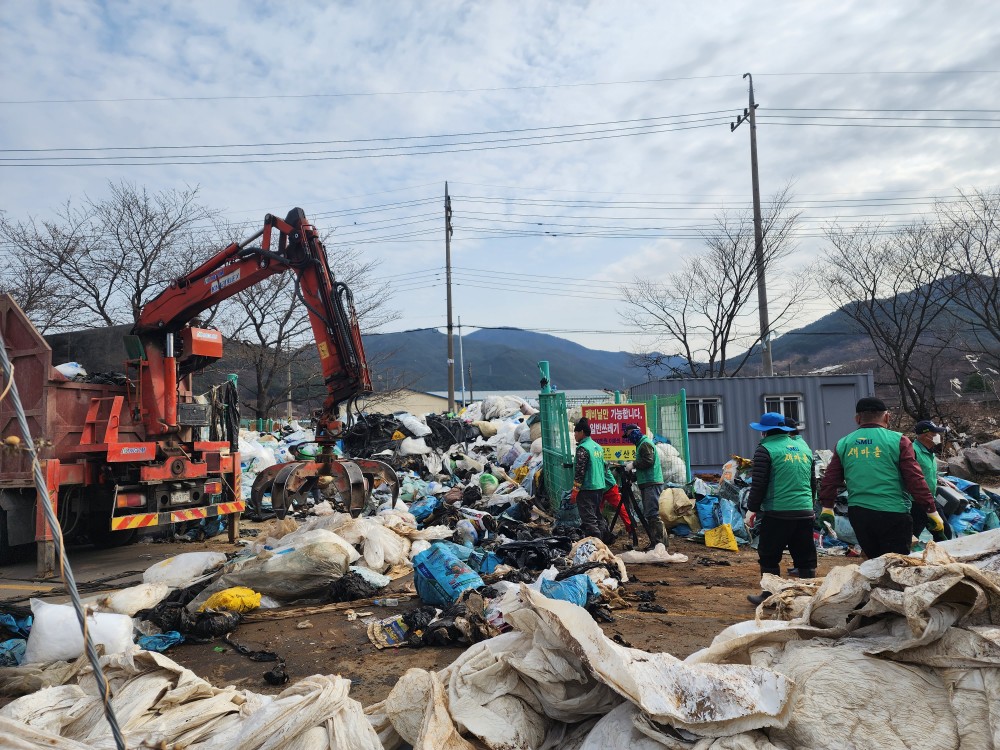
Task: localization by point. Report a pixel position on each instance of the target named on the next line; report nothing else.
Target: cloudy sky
(584, 143)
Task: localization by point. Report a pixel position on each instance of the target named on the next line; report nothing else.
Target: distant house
(720, 410)
(417, 403)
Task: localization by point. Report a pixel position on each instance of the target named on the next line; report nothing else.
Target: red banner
(606, 422)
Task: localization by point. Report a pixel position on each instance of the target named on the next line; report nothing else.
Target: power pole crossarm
(750, 115)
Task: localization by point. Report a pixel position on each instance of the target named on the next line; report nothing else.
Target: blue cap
(771, 421)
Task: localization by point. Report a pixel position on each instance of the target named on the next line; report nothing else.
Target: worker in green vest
(780, 504)
(649, 477)
(588, 481)
(883, 481)
(926, 443)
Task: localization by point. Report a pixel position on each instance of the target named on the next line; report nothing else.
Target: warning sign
(606, 422)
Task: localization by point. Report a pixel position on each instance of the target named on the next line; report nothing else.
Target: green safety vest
(928, 464)
(654, 474)
(594, 478)
(609, 478)
(790, 487)
(870, 457)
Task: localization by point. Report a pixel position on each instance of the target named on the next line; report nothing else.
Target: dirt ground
(701, 596)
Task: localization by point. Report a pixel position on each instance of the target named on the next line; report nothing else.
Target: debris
(656, 556)
(183, 569)
(276, 676)
(303, 625)
(236, 599)
(388, 633)
(253, 655)
(651, 607)
(56, 635)
(160, 642)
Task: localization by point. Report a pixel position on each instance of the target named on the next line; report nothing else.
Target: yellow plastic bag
(235, 599)
(397, 435)
(721, 537)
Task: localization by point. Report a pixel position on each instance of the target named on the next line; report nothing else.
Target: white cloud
(127, 50)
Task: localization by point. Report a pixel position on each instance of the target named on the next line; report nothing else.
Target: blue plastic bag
(458, 550)
(421, 509)
(440, 576)
(483, 562)
(19, 626)
(161, 642)
(12, 652)
(709, 512)
(681, 529)
(577, 589)
(969, 521)
(730, 513)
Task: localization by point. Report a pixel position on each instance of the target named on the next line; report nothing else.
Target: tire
(104, 538)
(11, 554)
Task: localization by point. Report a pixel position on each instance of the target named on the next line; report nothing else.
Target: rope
(67, 572)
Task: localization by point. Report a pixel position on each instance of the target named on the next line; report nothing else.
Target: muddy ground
(701, 596)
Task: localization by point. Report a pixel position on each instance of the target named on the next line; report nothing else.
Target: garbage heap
(896, 652)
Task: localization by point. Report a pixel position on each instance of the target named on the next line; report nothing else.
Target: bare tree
(108, 257)
(274, 336)
(37, 291)
(704, 315)
(974, 230)
(892, 285)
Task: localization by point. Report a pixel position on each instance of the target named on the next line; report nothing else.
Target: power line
(349, 154)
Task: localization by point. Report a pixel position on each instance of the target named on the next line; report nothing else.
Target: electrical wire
(44, 501)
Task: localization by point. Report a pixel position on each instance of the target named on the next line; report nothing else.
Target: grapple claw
(291, 484)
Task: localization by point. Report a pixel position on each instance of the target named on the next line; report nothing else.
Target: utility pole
(471, 397)
(758, 231)
(289, 390)
(461, 359)
(447, 265)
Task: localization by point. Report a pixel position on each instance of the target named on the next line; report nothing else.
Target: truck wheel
(105, 538)
(11, 554)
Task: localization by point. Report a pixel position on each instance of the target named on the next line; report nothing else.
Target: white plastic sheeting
(898, 652)
(161, 704)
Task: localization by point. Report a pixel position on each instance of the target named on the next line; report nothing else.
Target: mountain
(502, 358)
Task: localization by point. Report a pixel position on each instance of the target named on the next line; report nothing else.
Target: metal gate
(666, 416)
(557, 451)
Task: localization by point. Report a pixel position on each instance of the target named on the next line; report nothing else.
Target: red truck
(119, 458)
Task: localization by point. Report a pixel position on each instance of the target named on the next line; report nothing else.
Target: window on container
(788, 405)
(704, 414)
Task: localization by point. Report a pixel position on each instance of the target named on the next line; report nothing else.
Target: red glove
(573, 494)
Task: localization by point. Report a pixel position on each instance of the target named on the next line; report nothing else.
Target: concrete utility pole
(758, 232)
(447, 265)
(461, 359)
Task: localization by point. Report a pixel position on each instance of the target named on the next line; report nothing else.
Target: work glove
(629, 466)
(750, 519)
(574, 493)
(936, 522)
(827, 516)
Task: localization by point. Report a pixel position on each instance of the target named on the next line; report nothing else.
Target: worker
(588, 481)
(612, 498)
(649, 477)
(781, 499)
(883, 480)
(927, 442)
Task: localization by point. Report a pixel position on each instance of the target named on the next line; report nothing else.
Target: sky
(584, 144)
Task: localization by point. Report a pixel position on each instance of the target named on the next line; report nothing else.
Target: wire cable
(45, 502)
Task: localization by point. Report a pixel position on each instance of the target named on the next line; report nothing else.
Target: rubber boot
(758, 599)
(657, 533)
(806, 573)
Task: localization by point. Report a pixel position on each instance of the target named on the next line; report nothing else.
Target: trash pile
(975, 460)
(896, 652)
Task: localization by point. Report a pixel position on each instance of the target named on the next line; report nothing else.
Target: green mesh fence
(666, 416)
(556, 446)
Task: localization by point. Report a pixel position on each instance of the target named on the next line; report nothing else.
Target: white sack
(183, 569)
(56, 634)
